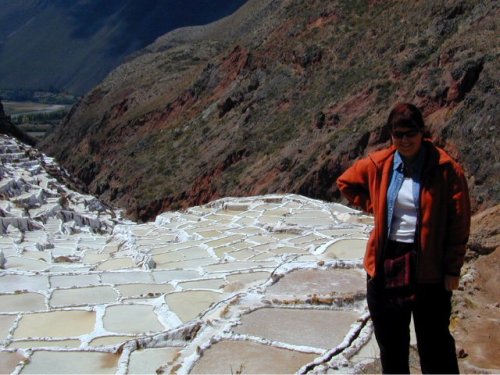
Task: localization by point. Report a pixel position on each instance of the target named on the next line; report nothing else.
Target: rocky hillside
(281, 97)
(55, 45)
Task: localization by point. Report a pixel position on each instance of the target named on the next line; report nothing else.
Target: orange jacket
(444, 203)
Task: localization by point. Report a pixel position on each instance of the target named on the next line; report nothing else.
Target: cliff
(281, 97)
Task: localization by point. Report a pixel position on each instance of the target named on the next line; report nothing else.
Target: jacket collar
(434, 155)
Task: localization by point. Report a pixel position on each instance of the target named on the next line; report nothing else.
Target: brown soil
(477, 330)
(476, 317)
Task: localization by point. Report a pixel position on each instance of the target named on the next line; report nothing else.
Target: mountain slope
(71, 46)
(281, 97)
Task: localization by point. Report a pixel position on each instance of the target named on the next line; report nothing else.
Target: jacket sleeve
(458, 222)
(354, 185)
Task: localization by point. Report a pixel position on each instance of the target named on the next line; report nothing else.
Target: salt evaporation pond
(264, 284)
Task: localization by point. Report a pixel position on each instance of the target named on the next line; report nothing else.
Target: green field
(36, 119)
(31, 108)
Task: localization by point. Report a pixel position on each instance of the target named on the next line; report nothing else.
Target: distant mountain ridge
(58, 45)
(281, 97)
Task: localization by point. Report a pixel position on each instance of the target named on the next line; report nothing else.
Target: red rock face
(229, 69)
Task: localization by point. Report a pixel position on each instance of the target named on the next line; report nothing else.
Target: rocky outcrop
(282, 97)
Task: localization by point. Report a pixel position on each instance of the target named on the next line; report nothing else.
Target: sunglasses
(408, 134)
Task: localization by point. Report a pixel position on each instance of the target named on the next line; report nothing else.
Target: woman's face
(407, 141)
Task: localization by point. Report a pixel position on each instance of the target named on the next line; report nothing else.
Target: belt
(395, 248)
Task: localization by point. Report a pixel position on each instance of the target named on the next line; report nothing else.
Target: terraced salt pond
(266, 284)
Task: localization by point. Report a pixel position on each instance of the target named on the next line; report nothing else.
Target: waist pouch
(399, 271)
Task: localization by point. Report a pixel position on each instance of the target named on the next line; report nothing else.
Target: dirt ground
(478, 318)
(476, 312)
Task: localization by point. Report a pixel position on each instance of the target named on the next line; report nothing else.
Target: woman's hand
(451, 282)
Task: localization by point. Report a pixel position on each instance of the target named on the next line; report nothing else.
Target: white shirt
(404, 221)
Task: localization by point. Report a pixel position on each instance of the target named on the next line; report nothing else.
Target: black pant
(431, 315)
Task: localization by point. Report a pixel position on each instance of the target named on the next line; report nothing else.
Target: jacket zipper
(418, 241)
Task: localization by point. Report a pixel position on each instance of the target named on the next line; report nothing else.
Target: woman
(419, 198)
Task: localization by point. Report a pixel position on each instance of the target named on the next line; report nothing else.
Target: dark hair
(405, 115)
